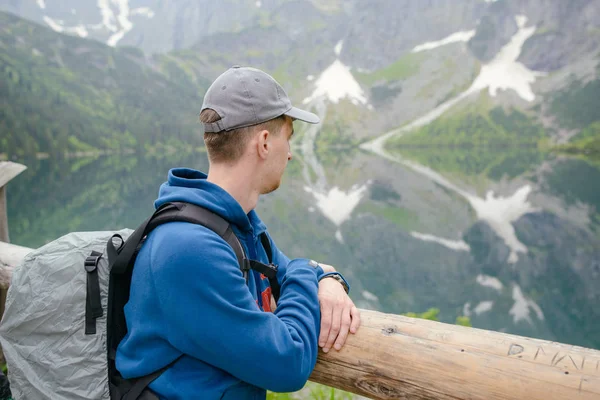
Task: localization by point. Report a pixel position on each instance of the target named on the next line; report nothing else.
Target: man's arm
(339, 315)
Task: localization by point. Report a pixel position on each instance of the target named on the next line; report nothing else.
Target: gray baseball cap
(244, 96)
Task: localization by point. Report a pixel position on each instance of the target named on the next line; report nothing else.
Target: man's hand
(327, 268)
(339, 315)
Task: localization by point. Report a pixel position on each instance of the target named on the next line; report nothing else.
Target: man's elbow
(291, 379)
(289, 384)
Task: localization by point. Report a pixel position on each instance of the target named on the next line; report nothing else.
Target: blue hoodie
(188, 296)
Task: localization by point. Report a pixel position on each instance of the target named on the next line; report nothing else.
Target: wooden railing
(397, 357)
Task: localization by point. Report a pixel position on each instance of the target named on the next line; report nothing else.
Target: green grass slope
(65, 94)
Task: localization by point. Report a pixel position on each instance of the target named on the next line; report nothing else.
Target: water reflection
(498, 211)
(52, 198)
(335, 204)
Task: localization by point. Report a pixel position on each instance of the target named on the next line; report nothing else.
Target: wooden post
(8, 170)
(397, 357)
(3, 216)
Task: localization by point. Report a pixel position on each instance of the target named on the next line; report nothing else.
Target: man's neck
(238, 181)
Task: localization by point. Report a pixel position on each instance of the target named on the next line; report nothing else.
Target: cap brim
(302, 115)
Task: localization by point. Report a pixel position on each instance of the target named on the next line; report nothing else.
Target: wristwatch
(338, 277)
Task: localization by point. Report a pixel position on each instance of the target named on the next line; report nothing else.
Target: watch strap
(338, 277)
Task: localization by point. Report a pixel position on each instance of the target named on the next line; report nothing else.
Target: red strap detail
(266, 300)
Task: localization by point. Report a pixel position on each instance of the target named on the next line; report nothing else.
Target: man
(189, 300)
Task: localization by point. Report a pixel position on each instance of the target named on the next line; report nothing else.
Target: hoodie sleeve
(210, 314)
(282, 261)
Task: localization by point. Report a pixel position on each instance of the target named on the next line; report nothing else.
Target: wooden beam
(8, 170)
(11, 255)
(397, 357)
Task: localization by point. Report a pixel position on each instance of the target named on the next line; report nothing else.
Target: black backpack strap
(93, 305)
(121, 260)
(142, 383)
(264, 239)
(172, 212)
(235, 244)
(275, 288)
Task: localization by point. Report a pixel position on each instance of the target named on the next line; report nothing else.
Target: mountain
(511, 69)
(153, 25)
(61, 93)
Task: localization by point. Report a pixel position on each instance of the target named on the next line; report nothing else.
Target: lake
(509, 237)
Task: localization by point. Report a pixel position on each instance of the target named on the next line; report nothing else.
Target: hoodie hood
(190, 186)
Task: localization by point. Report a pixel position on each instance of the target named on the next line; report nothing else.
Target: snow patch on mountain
(337, 205)
(505, 72)
(115, 19)
(336, 83)
(145, 11)
(522, 305)
(463, 36)
(483, 307)
(125, 25)
(338, 48)
(500, 212)
(58, 26)
(490, 281)
(108, 17)
(458, 245)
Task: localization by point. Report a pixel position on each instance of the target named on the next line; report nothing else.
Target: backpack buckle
(91, 263)
(246, 265)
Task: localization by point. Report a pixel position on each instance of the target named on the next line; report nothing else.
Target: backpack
(64, 315)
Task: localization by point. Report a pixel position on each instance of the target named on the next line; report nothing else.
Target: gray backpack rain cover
(42, 333)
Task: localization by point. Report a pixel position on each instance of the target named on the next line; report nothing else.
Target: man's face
(279, 156)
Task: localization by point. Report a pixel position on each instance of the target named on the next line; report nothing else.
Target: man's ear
(263, 145)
